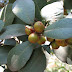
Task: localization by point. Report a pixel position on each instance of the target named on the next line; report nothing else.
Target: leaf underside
(37, 62)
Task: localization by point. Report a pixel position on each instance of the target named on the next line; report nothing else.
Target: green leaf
(61, 29)
(19, 55)
(13, 30)
(4, 53)
(39, 4)
(37, 62)
(25, 10)
(68, 4)
(11, 42)
(8, 15)
(18, 21)
(1, 24)
(12, 1)
(23, 38)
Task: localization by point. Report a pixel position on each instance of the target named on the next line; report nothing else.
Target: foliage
(16, 50)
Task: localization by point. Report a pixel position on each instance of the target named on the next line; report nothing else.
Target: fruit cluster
(36, 36)
(55, 43)
(35, 33)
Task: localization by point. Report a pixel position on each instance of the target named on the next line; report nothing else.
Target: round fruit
(41, 40)
(54, 45)
(50, 39)
(39, 27)
(61, 42)
(33, 38)
(69, 41)
(29, 30)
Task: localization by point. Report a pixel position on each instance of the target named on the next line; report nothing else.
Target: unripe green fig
(61, 42)
(39, 27)
(54, 45)
(69, 41)
(29, 30)
(33, 38)
(50, 39)
(41, 40)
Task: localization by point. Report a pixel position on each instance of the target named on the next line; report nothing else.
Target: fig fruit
(61, 42)
(33, 37)
(54, 45)
(41, 40)
(39, 27)
(29, 30)
(50, 39)
(69, 41)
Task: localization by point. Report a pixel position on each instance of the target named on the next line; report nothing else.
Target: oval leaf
(1, 24)
(8, 15)
(4, 50)
(19, 55)
(18, 21)
(13, 30)
(61, 29)
(25, 10)
(37, 62)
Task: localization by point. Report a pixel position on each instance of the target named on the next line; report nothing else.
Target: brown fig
(50, 39)
(69, 41)
(41, 40)
(29, 30)
(61, 42)
(33, 38)
(54, 45)
(39, 27)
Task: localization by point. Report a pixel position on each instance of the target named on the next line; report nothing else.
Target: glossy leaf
(61, 29)
(25, 10)
(19, 55)
(1, 24)
(37, 62)
(4, 50)
(13, 30)
(23, 38)
(18, 21)
(39, 4)
(8, 15)
(11, 42)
